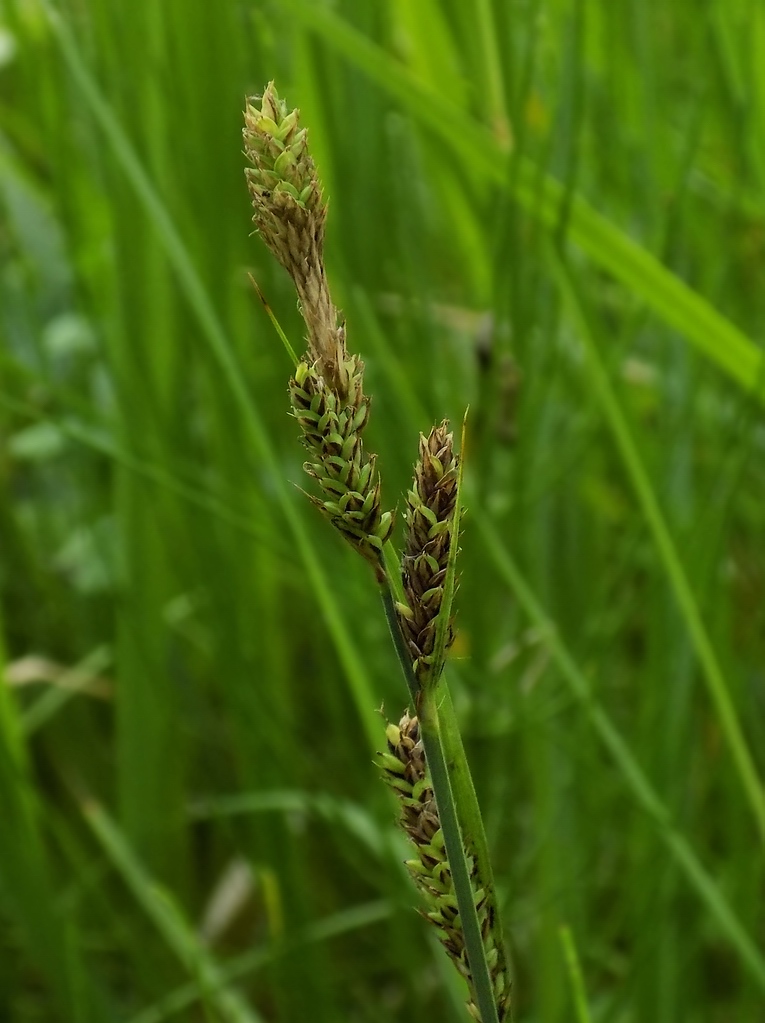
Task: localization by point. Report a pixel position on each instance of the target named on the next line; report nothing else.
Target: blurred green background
(549, 210)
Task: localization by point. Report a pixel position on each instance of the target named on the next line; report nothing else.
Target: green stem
(455, 850)
(468, 808)
(440, 768)
(398, 640)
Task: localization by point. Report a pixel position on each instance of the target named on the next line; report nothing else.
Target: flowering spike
(429, 509)
(404, 769)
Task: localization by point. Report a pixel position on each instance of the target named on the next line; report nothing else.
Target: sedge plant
(424, 761)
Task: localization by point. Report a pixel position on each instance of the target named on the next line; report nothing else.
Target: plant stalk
(442, 768)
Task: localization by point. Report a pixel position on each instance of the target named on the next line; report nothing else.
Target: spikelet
(429, 509)
(404, 769)
(337, 460)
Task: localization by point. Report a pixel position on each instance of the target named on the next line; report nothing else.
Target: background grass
(551, 211)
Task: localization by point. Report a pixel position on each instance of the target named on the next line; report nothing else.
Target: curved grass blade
(543, 197)
(643, 791)
(750, 782)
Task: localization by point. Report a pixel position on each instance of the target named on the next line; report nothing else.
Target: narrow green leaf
(276, 325)
(643, 791)
(575, 974)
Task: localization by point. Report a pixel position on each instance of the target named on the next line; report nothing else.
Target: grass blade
(167, 919)
(751, 784)
(644, 793)
(575, 975)
(543, 197)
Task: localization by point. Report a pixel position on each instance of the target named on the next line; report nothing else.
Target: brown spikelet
(404, 769)
(429, 509)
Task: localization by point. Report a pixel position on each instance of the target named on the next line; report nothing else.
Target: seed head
(429, 509)
(332, 433)
(404, 769)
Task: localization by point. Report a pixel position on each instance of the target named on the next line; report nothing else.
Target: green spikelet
(404, 769)
(332, 434)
